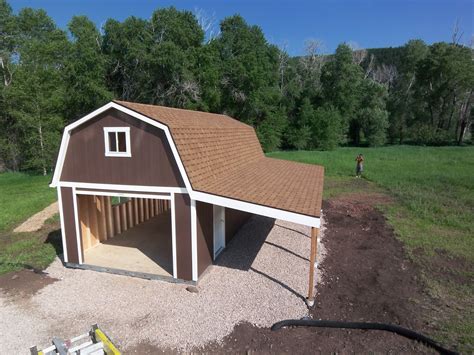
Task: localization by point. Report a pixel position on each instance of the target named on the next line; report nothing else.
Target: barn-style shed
(158, 192)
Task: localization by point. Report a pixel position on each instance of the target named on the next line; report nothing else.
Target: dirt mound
(368, 278)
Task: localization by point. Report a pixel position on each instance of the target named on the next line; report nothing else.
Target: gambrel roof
(223, 156)
(224, 163)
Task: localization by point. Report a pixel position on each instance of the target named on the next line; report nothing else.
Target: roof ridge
(128, 103)
(170, 108)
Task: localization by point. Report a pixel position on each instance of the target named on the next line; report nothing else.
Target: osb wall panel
(151, 163)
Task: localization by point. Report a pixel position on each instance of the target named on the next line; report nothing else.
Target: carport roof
(223, 157)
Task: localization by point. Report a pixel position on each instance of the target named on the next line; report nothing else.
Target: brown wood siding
(152, 162)
(183, 236)
(205, 236)
(69, 225)
(234, 219)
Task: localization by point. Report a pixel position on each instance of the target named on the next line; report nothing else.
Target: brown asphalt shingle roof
(223, 157)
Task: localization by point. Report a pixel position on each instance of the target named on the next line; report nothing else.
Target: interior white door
(219, 229)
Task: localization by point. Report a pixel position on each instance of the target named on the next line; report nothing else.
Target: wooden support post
(152, 207)
(123, 216)
(136, 219)
(109, 217)
(147, 209)
(93, 220)
(117, 223)
(157, 210)
(84, 217)
(130, 214)
(312, 261)
(102, 222)
(142, 210)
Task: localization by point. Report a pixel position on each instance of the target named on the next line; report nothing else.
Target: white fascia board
(256, 209)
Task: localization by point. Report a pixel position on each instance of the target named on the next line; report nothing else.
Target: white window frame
(126, 130)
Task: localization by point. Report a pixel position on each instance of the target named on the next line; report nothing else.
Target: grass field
(22, 195)
(432, 214)
(433, 189)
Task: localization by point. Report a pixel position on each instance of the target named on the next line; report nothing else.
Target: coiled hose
(407, 333)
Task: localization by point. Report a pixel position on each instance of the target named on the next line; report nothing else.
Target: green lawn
(433, 214)
(22, 195)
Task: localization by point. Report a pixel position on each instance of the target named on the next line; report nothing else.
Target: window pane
(122, 145)
(112, 142)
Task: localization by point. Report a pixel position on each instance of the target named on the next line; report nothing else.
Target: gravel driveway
(260, 278)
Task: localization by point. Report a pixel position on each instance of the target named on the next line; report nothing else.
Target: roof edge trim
(255, 208)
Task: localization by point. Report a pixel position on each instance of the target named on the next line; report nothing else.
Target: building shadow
(242, 250)
(54, 239)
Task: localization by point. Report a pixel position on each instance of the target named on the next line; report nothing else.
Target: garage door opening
(126, 233)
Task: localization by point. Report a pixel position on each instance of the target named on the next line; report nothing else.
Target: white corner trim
(257, 209)
(76, 220)
(194, 240)
(60, 162)
(61, 218)
(173, 237)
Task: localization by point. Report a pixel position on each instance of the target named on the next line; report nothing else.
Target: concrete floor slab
(143, 248)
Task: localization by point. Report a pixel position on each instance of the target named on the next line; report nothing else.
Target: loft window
(117, 142)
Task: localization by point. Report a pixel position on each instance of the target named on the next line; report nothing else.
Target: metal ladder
(94, 342)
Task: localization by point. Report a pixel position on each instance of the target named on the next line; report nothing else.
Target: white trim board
(77, 222)
(122, 194)
(194, 252)
(257, 209)
(173, 237)
(116, 187)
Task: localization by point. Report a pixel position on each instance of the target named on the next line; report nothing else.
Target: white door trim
(194, 252)
(218, 213)
(173, 234)
(76, 221)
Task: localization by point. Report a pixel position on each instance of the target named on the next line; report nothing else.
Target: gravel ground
(36, 221)
(258, 279)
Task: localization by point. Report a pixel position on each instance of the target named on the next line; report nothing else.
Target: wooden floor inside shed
(146, 247)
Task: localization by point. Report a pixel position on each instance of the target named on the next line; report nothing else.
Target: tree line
(49, 77)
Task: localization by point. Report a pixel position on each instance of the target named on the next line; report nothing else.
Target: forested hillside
(49, 77)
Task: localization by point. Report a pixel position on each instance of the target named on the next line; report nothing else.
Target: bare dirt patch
(35, 222)
(367, 278)
(24, 284)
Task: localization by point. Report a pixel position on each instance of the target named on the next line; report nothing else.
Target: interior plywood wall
(100, 220)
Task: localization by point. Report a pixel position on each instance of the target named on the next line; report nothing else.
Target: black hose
(407, 333)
